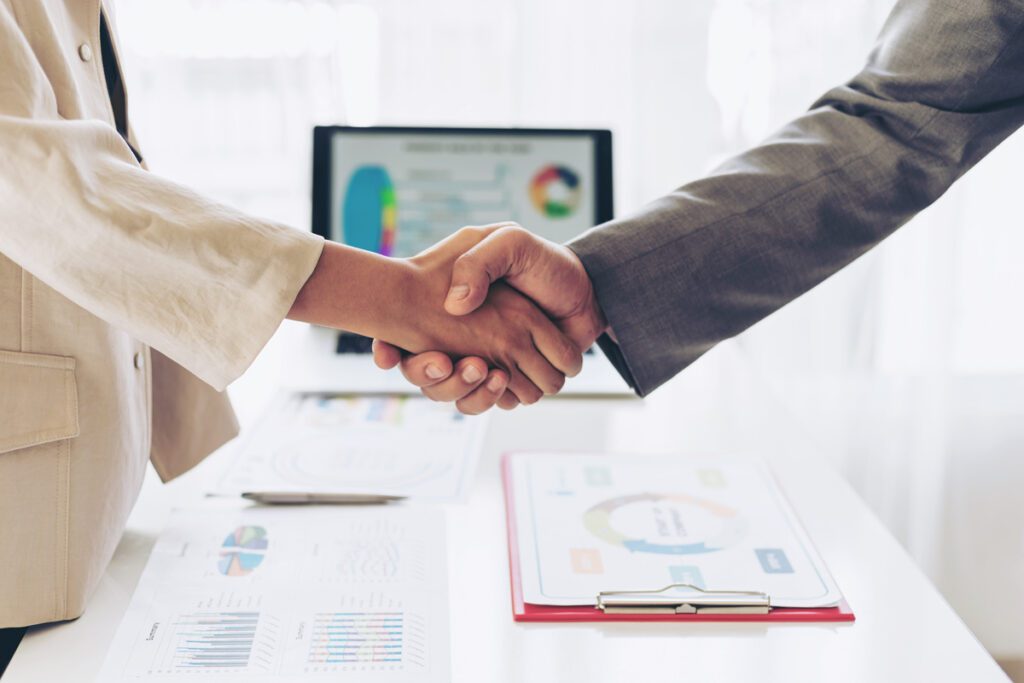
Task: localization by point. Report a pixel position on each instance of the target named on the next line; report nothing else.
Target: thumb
(473, 272)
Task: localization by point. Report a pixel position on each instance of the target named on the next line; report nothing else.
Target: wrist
(356, 291)
(588, 307)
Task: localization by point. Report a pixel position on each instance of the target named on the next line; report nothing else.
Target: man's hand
(550, 274)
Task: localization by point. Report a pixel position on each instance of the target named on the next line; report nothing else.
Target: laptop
(397, 191)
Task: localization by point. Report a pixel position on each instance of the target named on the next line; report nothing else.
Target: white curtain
(906, 370)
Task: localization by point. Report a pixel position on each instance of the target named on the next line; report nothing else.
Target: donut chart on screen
(555, 191)
(369, 212)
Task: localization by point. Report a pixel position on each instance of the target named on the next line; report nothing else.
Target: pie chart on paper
(242, 551)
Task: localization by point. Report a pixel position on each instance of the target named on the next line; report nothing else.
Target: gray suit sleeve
(942, 88)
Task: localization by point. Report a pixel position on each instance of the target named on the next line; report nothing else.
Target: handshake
(501, 317)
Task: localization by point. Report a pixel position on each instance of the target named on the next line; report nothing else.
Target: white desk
(904, 631)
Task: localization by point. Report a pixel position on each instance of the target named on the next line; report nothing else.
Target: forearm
(356, 291)
(716, 256)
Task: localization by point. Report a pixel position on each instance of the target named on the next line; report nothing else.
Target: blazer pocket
(38, 399)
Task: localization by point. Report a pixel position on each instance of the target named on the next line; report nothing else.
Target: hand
(550, 274)
(400, 302)
(523, 345)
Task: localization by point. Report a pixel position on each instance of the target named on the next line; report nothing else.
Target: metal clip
(701, 601)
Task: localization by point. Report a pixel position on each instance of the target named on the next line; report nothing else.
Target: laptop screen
(397, 191)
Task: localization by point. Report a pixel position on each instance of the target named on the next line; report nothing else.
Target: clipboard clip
(696, 601)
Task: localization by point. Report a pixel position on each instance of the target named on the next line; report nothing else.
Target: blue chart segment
(215, 640)
(369, 214)
(341, 638)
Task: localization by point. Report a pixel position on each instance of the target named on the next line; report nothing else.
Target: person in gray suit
(943, 86)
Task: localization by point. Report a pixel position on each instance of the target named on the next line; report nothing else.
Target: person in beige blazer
(128, 303)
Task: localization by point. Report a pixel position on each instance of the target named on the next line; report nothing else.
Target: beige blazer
(127, 304)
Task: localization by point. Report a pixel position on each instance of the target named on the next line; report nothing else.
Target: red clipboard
(523, 611)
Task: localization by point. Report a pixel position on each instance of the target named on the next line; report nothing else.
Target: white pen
(301, 498)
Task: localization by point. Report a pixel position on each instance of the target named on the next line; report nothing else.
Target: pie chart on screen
(369, 211)
(555, 191)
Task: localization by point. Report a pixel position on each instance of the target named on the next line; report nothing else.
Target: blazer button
(85, 52)
(140, 361)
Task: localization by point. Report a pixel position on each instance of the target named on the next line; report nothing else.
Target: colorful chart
(369, 217)
(333, 411)
(214, 640)
(357, 638)
(555, 191)
(243, 561)
(720, 528)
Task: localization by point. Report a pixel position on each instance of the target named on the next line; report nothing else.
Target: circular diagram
(555, 191)
(243, 551)
(669, 524)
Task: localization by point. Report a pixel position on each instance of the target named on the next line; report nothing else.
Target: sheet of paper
(407, 446)
(589, 523)
(290, 594)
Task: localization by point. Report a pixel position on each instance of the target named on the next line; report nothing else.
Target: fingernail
(496, 383)
(433, 371)
(458, 292)
(471, 375)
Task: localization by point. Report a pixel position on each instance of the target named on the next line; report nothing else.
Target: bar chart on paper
(211, 641)
(287, 595)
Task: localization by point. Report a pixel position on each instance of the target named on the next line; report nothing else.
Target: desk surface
(904, 631)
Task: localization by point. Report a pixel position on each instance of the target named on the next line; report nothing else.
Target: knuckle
(467, 408)
(557, 382)
(571, 357)
(514, 235)
(530, 395)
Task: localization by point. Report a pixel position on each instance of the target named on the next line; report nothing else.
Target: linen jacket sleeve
(943, 87)
(201, 282)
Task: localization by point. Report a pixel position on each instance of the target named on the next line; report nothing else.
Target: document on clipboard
(594, 537)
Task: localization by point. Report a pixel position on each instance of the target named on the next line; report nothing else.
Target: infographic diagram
(399, 194)
(667, 524)
(555, 191)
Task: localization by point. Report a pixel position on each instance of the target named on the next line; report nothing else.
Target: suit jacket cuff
(625, 298)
